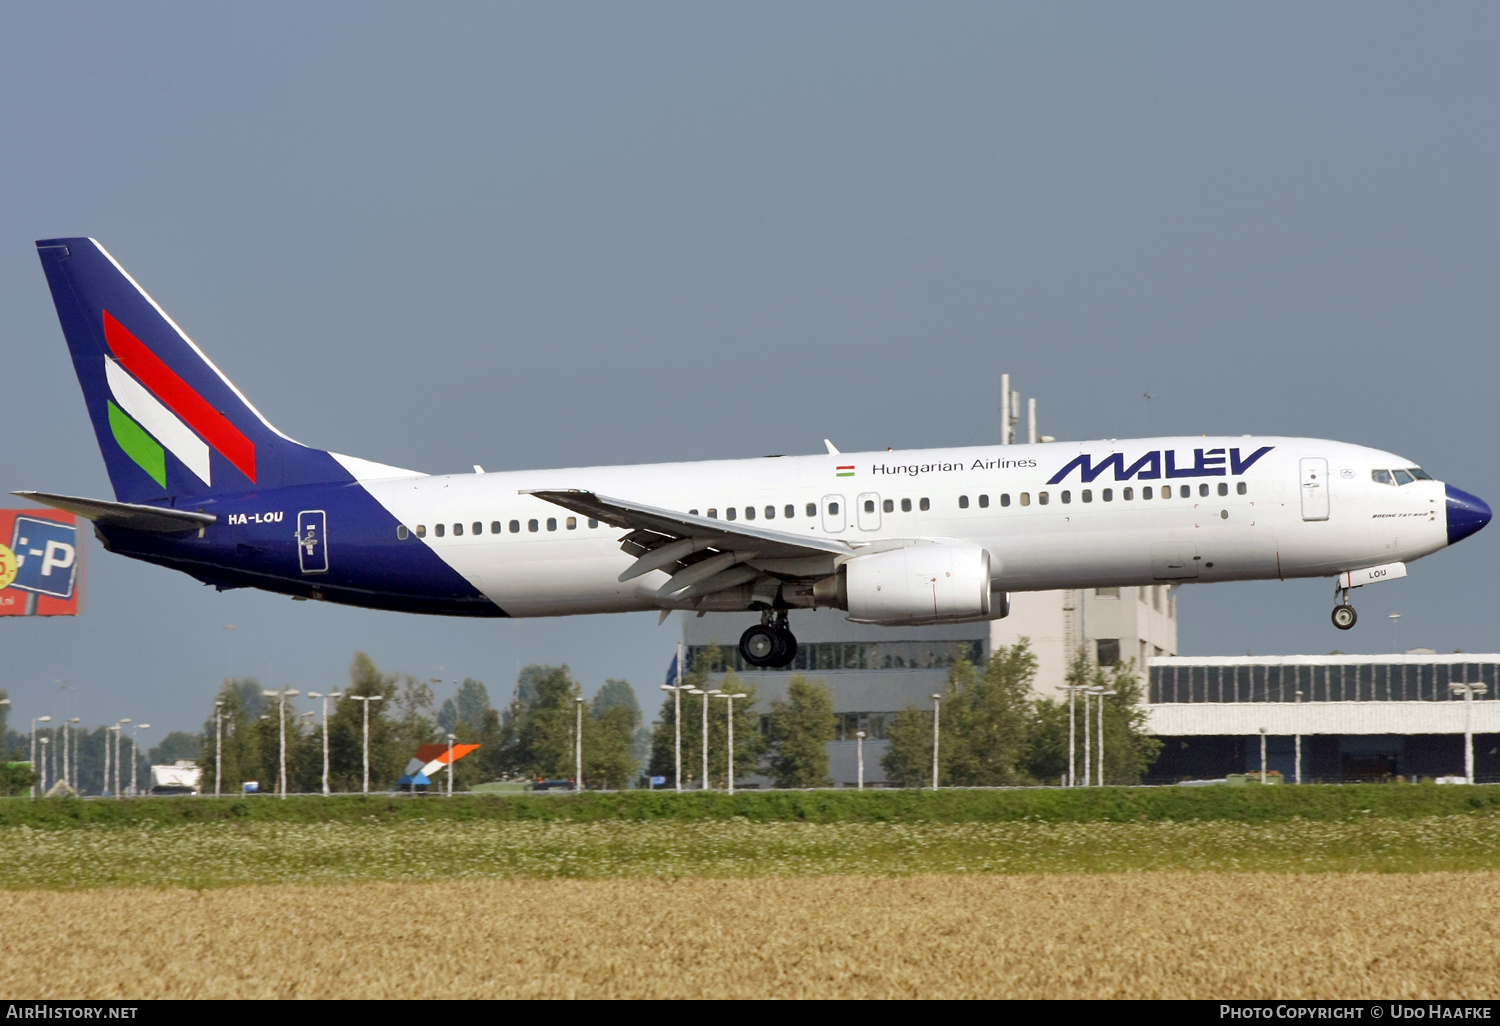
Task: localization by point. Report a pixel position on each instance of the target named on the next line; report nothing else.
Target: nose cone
(1466, 514)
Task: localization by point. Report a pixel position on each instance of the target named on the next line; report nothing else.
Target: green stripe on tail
(138, 445)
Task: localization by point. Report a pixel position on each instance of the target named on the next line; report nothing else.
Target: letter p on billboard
(41, 570)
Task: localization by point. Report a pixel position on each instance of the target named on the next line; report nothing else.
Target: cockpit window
(1419, 473)
(1403, 477)
(1382, 477)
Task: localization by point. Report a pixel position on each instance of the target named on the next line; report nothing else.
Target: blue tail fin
(171, 426)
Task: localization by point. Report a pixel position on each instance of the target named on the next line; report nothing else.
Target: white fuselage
(1042, 529)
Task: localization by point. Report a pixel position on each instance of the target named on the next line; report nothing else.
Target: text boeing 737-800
(204, 484)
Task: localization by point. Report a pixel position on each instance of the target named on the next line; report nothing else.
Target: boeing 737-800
(204, 484)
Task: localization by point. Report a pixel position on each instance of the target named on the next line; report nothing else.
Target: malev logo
(1163, 463)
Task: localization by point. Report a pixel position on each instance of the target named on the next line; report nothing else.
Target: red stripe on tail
(180, 397)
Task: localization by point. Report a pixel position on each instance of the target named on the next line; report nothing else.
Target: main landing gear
(1344, 615)
(769, 643)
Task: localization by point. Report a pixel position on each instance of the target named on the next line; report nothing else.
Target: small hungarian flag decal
(845, 471)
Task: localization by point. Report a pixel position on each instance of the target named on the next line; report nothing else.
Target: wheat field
(1147, 935)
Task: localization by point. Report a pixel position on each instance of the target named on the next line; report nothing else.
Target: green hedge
(1252, 804)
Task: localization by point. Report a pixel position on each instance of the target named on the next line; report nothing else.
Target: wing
(125, 514)
(703, 555)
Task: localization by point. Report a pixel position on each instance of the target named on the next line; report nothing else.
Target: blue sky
(549, 235)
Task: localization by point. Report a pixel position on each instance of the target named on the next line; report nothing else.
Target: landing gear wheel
(760, 645)
(787, 650)
(1344, 616)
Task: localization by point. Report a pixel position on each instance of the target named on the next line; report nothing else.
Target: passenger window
(532, 526)
(1026, 498)
(713, 514)
(495, 527)
(1186, 491)
(1127, 494)
(749, 512)
(1203, 489)
(1223, 488)
(1146, 492)
(593, 523)
(1041, 498)
(458, 530)
(888, 506)
(984, 502)
(730, 513)
(963, 502)
(1382, 477)
(1088, 495)
(1005, 498)
(906, 505)
(833, 509)
(812, 509)
(515, 527)
(924, 505)
(1166, 491)
(401, 531)
(1067, 496)
(770, 512)
(571, 523)
(1240, 488)
(692, 512)
(437, 529)
(789, 512)
(1109, 495)
(551, 523)
(421, 530)
(478, 527)
(869, 505)
(1403, 477)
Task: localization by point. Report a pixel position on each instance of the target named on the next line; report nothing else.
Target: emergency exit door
(1314, 489)
(312, 541)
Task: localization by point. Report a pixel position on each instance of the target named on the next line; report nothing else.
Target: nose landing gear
(1344, 615)
(769, 643)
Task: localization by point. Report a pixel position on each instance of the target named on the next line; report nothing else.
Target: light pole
(44, 743)
(35, 720)
(1297, 745)
(1395, 619)
(451, 739)
(120, 757)
(135, 754)
(1102, 693)
(936, 704)
(282, 695)
(1468, 691)
(365, 701)
(70, 764)
(578, 746)
(677, 690)
(859, 749)
(703, 786)
(1262, 755)
(325, 698)
(1071, 689)
(729, 699)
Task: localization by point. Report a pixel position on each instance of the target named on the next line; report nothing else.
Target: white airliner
(204, 484)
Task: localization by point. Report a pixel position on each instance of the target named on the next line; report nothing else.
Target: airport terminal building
(1353, 717)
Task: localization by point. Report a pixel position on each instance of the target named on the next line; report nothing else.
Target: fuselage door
(833, 513)
(312, 541)
(1314, 488)
(867, 512)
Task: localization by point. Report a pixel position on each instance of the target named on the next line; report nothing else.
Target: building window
(984, 502)
(1156, 597)
(1109, 650)
(1107, 592)
(963, 502)
(402, 532)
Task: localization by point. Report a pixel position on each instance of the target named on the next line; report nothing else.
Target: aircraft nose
(1466, 514)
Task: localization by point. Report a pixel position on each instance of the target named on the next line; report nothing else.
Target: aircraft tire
(787, 647)
(760, 645)
(1344, 617)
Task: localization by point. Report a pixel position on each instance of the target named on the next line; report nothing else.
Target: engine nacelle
(923, 583)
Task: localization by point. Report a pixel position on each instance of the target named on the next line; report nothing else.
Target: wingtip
(832, 449)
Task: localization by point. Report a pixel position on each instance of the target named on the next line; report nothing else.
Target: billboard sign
(41, 569)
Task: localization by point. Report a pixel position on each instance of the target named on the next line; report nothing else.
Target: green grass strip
(1253, 804)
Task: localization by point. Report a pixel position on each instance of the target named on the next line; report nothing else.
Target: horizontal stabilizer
(124, 514)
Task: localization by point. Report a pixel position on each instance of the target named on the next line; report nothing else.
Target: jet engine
(922, 583)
